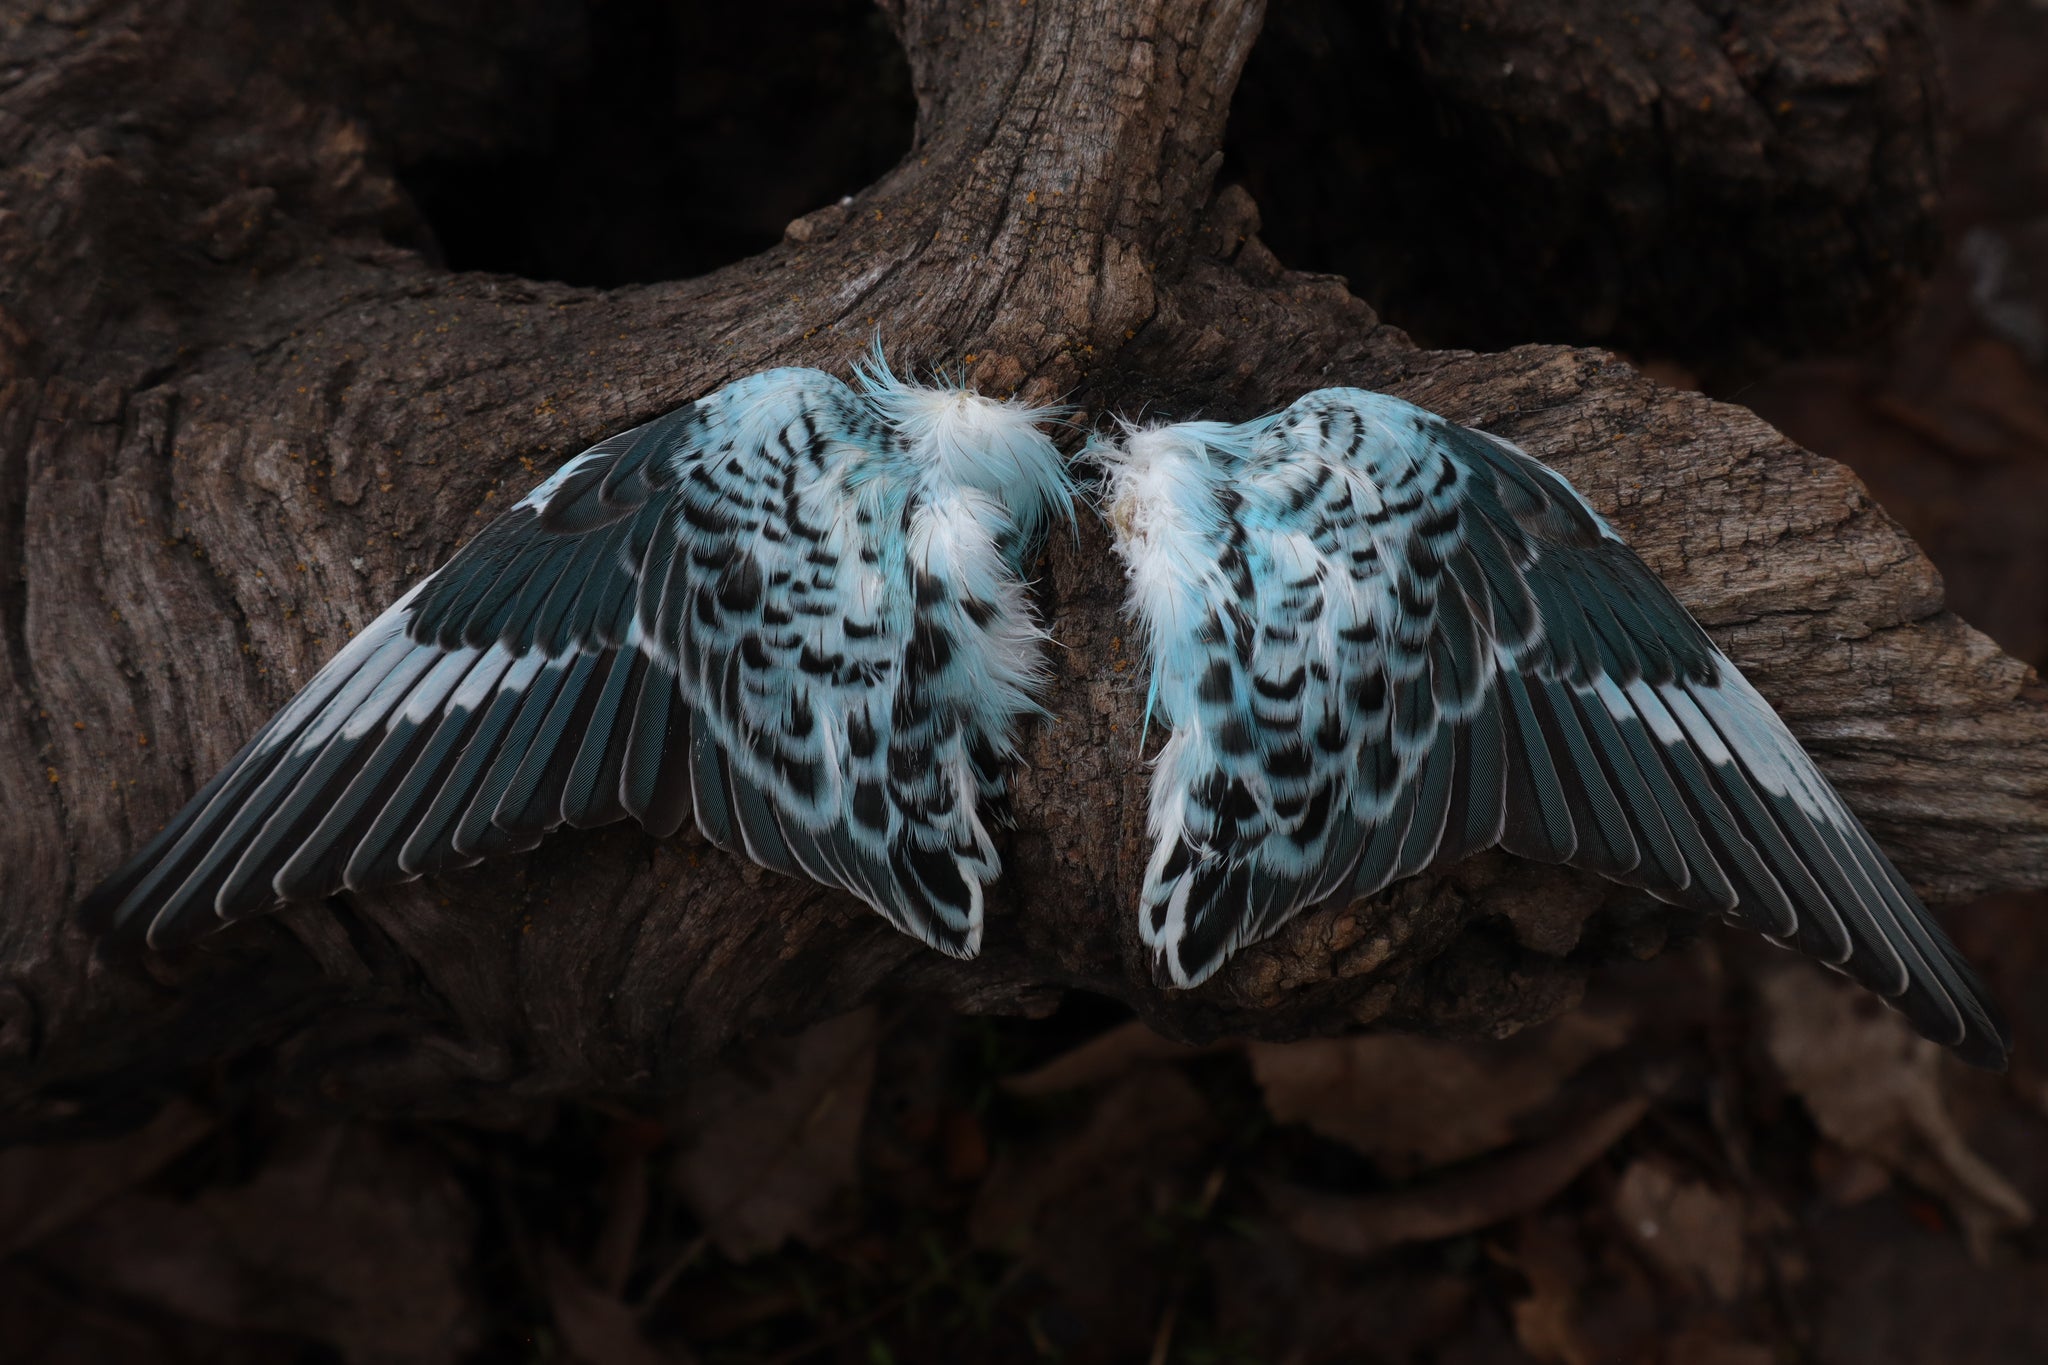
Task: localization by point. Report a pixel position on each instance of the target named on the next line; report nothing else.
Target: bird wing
(1419, 643)
(724, 612)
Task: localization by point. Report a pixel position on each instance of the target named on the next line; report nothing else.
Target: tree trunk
(242, 411)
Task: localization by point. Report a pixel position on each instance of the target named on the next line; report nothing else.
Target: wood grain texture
(235, 421)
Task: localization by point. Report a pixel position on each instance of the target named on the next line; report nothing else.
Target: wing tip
(1987, 1050)
(1965, 1021)
(125, 924)
(1983, 1035)
(964, 948)
(98, 911)
(934, 929)
(1171, 972)
(1207, 919)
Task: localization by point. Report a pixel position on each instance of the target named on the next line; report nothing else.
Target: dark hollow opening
(673, 138)
(1359, 171)
(1469, 183)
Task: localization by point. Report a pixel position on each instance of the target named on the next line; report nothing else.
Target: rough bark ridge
(237, 420)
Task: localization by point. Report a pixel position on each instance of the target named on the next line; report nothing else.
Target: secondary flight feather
(792, 610)
(1384, 642)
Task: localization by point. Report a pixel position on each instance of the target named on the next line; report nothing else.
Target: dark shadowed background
(1722, 1158)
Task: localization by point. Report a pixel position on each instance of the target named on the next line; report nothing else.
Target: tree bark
(237, 420)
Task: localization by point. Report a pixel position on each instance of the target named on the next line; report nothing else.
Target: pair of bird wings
(798, 612)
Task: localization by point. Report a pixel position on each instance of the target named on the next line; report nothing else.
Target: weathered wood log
(236, 421)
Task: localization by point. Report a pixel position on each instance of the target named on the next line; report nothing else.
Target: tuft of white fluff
(1160, 496)
(1161, 502)
(963, 439)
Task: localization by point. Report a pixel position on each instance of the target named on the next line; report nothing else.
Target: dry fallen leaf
(44, 1189)
(1101, 1209)
(1414, 1103)
(1688, 1229)
(344, 1236)
(1712, 1344)
(1149, 1111)
(770, 1140)
(1875, 1089)
(598, 1327)
(1103, 1057)
(1546, 1320)
(1492, 1191)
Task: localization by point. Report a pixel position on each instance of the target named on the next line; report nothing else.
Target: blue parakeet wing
(791, 609)
(1384, 642)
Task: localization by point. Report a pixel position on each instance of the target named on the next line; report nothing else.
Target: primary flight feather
(1383, 642)
(793, 610)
